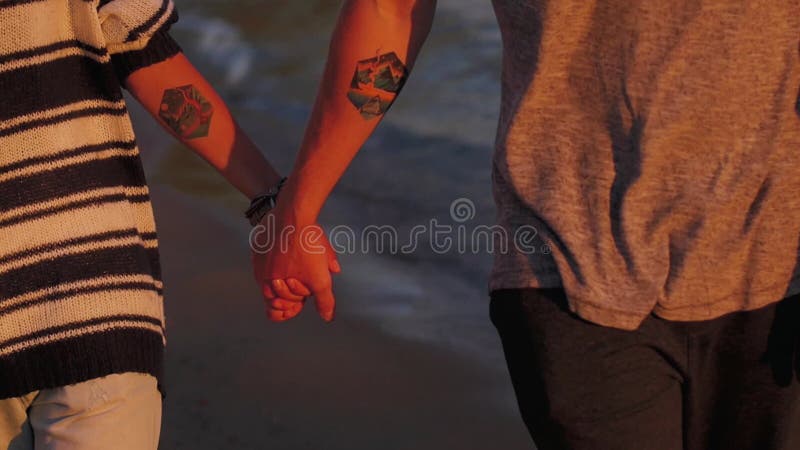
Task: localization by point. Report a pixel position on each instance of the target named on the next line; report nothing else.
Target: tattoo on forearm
(186, 111)
(376, 83)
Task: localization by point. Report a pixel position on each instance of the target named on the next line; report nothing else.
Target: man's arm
(372, 51)
(186, 105)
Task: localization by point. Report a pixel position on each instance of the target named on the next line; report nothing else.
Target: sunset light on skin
(186, 112)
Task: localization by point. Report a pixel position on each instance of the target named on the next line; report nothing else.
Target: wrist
(265, 183)
(290, 209)
(297, 200)
(263, 203)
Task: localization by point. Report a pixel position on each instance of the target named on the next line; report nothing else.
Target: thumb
(326, 303)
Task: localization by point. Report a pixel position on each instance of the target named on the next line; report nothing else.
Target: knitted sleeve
(129, 24)
(136, 33)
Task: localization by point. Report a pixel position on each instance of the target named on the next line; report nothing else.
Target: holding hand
(291, 261)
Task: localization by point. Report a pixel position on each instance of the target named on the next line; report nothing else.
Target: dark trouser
(728, 383)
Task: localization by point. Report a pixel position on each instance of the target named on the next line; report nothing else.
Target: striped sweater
(80, 282)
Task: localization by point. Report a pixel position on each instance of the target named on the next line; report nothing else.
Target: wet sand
(236, 381)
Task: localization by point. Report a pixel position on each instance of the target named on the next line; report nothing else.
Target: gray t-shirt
(655, 148)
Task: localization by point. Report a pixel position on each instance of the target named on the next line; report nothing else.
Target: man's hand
(291, 261)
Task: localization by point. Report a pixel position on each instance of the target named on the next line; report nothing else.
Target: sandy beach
(236, 381)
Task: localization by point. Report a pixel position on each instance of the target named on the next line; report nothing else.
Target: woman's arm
(186, 105)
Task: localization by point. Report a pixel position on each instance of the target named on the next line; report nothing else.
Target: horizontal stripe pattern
(41, 59)
(40, 24)
(85, 245)
(94, 263)
(36, 124)
(52, 48)
(65, 181)
(34, 88)
(82, 356)
(161, 15)
(57, 222)
(81, 291)
(59, 115)
(63, 129)
(101, 324)
(12, 258)
(61, 312)
(63, 158)
(66, 290)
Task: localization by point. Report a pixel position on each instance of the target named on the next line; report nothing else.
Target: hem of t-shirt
(523, 280)
(629, 321)
(81, 358)
(605, 316)
(729, 304)
(592, 312)
(589, 311)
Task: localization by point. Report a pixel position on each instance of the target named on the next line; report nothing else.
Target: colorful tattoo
(186, 111)
(376, 83)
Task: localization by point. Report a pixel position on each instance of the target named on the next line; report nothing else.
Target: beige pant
(120, 412)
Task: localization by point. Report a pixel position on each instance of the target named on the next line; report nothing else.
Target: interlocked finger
(281, 289)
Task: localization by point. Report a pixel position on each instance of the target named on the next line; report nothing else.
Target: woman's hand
(293, 260)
